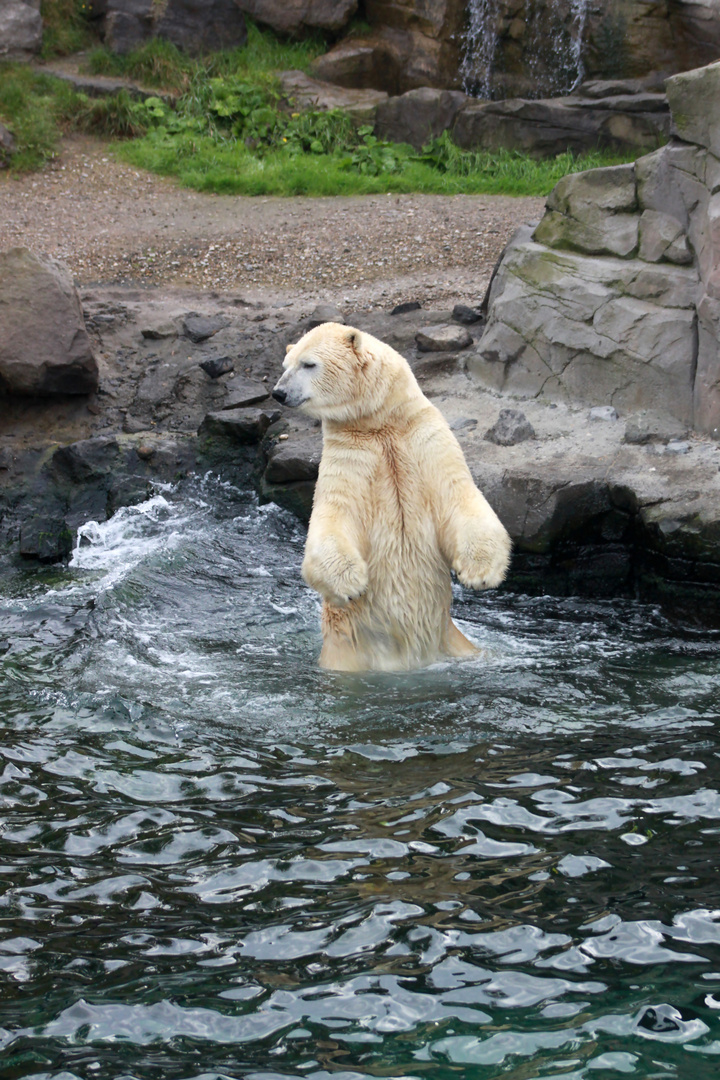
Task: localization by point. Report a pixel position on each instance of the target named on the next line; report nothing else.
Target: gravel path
(113, 224)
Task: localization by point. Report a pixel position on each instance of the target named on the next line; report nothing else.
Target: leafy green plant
(372, 157)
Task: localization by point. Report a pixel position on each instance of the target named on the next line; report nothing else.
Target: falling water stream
(553, 41)
(220, 861)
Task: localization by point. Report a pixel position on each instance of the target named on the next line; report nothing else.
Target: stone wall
(614, 298)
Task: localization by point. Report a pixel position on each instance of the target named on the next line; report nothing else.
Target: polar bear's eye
(308, 364)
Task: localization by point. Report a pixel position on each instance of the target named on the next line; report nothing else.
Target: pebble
(403, 309)
(603, 412)
(217, 366)
(201, 327)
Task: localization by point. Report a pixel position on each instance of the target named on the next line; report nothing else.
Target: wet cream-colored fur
(395, 507)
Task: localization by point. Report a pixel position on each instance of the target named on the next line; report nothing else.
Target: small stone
(325, 313)
(466, 315)
(512, 426)
(603, 412)
(677, 447)
(201, 327)
(443, 338)
(145, 452)
(159, 332)
(403, 309)
(131, 426)
(217, 366)
(462, 423)
(643, 429)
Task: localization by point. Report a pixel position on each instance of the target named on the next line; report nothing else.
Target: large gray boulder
(192, 25)
(44, 347)
(418, 116)
(296, 17)
(20, 28)
(637, 332)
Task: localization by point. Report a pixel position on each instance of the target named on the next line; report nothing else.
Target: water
(550, 48)
(218, 861)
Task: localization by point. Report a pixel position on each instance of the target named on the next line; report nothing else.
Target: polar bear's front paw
(483, 563)
(338, 580)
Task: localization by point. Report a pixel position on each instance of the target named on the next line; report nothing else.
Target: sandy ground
(114, 224)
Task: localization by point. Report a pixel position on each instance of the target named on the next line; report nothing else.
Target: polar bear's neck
(395, 403)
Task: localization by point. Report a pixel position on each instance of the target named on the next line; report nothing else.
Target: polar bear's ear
(353, 339)
(288, 348)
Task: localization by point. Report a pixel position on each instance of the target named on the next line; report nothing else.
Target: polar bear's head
(335, 372)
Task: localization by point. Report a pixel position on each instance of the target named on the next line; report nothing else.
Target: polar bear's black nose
(279, 395)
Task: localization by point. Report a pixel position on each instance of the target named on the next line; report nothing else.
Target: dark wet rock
(44, 346)
(297, 17)
(325, 313)
(243, 392)
(295, 459)
(89, 459)
(47, 537)
(193, 25)
(511, 427)
(418, 116)
(20, 29)
(603, 412)
(443, 338)
(466, 315)
(5, 458)
(403, 309)
(4, 646)
(201, 327)
(242, 425)
(216, 366)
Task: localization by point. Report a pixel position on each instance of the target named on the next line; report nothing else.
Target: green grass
(205, 164)
(161, 65)
(65, 27)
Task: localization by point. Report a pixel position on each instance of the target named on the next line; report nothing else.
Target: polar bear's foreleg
(333, 565)
(474, 540)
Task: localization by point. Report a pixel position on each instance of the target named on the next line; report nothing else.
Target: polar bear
(395, 507)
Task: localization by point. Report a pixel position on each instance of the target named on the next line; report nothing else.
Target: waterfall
(503, 46)
(481, 40)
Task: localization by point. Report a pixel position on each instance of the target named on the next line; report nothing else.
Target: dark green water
(218, 861)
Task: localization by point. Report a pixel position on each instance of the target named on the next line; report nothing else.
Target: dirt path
(112, 223)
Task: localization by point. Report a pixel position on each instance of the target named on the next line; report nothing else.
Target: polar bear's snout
(290, 389)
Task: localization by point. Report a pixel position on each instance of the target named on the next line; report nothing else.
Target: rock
(159, 332)
(325, 313)
(201, 327)
(403, 309)
(662, 237)
(4, 646)
(217, 366)
(443, 338)
(192, 25)
(6, 458)
(46, 537)
(393, 59)
(693, 98)
(294, 460)
(132, 426)
(463, 423)
(20, 29)
(603, 412)
(466, 315)
(511, 427)
(418, 116)
(296, 17)
(548, 127)
(576, 329)
(243, 392)
(44, 346)
(303, 92)
(7, 146)
(593, 212)
(86, 460)
(677, 447)
(242, 425)
(648, 427)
